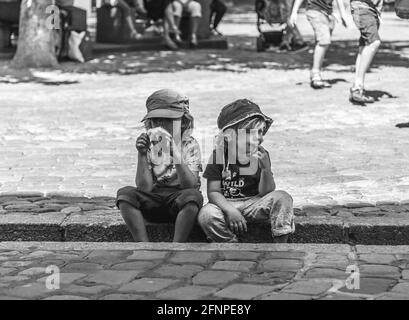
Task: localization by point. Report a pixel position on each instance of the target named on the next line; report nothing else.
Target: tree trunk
(36, 44)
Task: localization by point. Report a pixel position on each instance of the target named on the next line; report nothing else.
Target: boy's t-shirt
(164, 171)
(325, 6)
(233, 184)
(374, 4)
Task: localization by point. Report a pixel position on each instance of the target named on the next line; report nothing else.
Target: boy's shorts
(367, 21)
(161, 204)
(323, 26)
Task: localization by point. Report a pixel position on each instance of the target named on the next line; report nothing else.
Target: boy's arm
(143, 179)
(235, 219)
(294, 13)
(267, 183)
(188, 178)
(341, 7)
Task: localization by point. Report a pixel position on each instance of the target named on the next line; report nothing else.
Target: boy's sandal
(357, 95)
(170, 44)
(135, 35)
(193, 43)
(320, 84)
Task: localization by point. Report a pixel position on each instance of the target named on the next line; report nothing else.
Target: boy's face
(254, 138)
(173, 126)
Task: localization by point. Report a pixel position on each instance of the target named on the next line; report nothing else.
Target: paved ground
(75, 132)
(166, 271)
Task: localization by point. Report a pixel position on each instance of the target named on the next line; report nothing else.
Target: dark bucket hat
(238, 111)
(167, 103)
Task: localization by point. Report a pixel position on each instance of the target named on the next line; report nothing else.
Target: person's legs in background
(128, 16)
(322, 26)
(195, 11)
(367, 21)
(170, 26)
(218, 10)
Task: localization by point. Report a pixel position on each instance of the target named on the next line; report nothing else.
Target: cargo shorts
(322, 24)
(367, 21)
(161, 204)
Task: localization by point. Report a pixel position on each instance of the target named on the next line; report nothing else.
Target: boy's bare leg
(185, 222)
(318, 60)
(365, 56)
(194, 27)
(135, 222)
(166, 36)
(171, 19)
(319, 55)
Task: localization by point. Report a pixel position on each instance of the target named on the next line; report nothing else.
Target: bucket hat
(239, 111)
(167, 103)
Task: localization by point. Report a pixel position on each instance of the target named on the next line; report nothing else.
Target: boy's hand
(292, 21)
(142, 143)
(264, 159)
(236, 221)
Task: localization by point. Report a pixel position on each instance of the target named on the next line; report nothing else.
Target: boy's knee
(284, 195)
(209, 216)
(126, 191)
(190, 197)
(127, 195)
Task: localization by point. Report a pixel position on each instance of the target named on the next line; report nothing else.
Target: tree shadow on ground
(240, 57)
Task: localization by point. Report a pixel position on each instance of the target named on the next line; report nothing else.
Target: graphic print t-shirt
(233, 184)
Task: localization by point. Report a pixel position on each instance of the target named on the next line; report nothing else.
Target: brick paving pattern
(163, 271)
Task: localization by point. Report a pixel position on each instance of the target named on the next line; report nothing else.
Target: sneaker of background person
(357, 95)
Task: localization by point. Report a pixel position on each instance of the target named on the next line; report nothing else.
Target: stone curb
(34, 216)
(368, 231)
(166, 246)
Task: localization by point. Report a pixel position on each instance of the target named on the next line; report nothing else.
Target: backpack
(402, 8)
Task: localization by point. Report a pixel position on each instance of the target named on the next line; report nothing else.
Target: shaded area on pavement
(240, 57)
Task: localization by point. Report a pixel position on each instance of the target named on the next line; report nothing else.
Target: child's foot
(216, 32)
(170, 44)
(176, 33)
(135, 35)
(318, 83)
(358, 96)
(193, 41)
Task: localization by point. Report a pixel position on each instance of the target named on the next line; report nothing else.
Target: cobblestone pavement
(189, 272)
(77, 138)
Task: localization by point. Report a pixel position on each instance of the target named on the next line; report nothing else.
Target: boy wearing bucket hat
(240, 183)
(167, 177)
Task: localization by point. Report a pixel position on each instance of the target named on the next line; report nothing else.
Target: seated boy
(167, 176)
(240, 184)
(194, 9)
